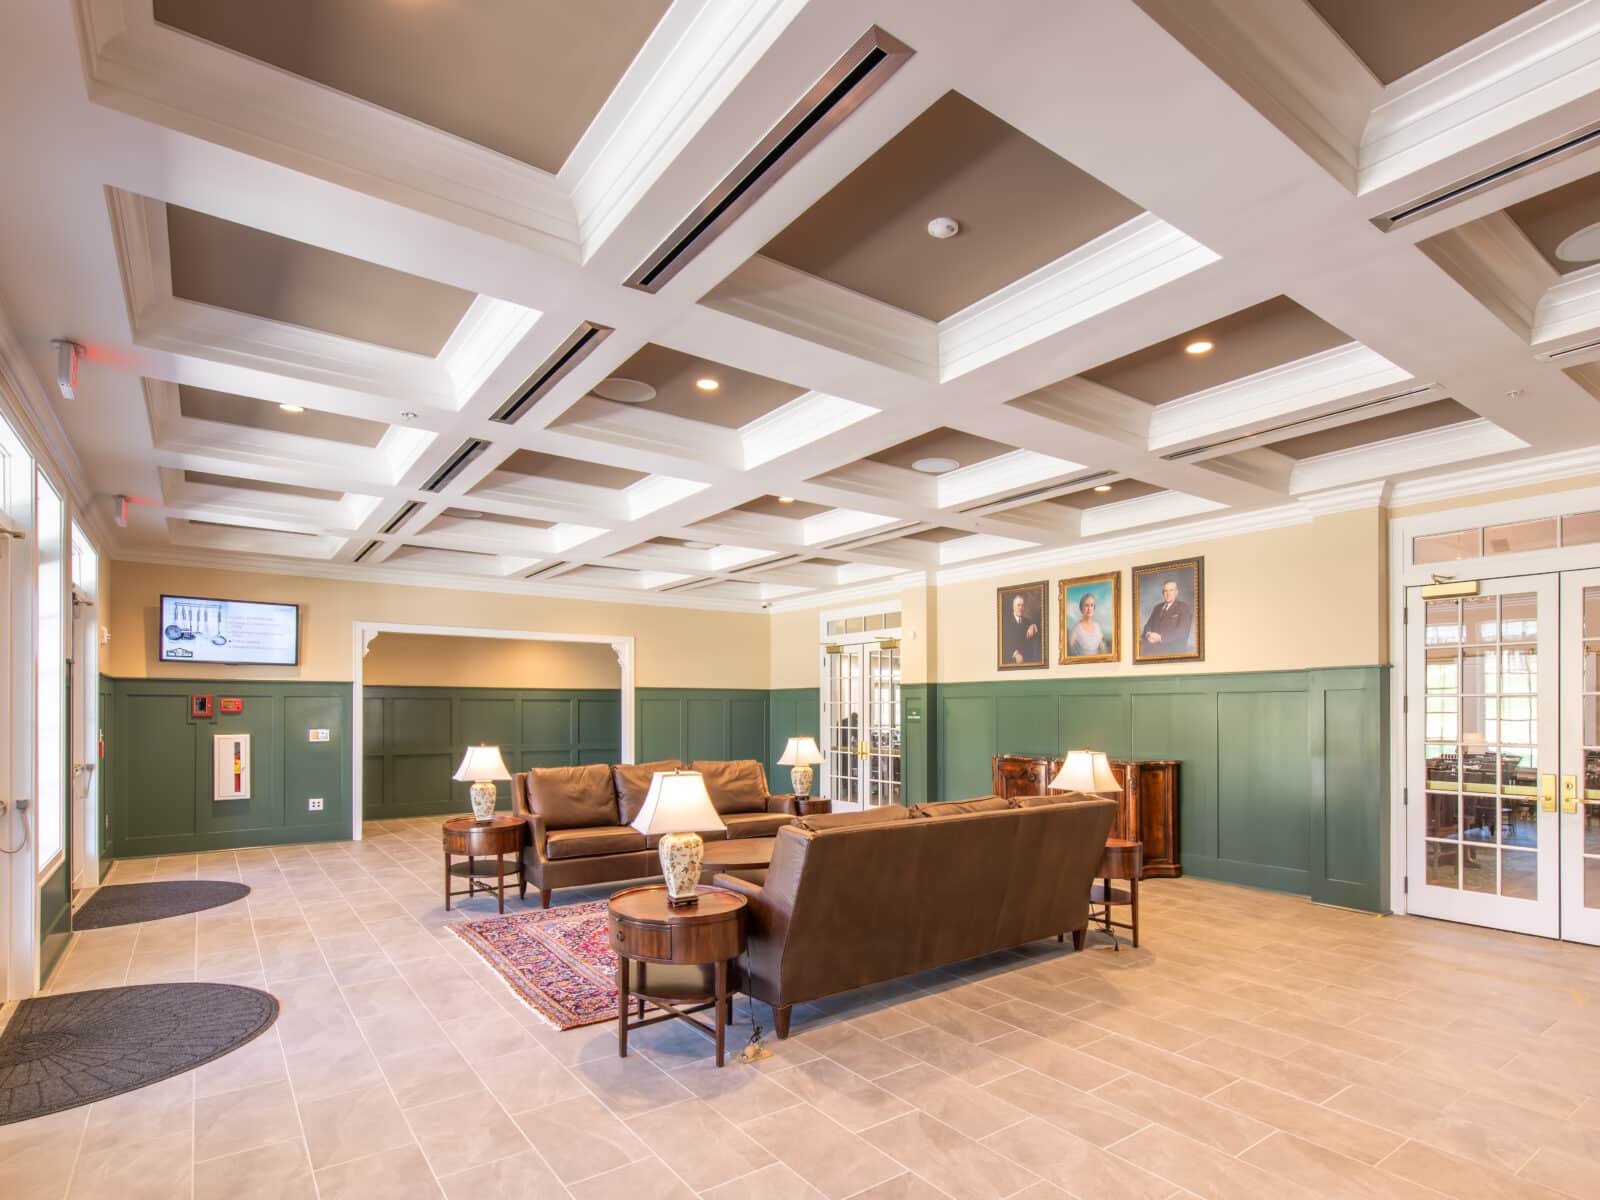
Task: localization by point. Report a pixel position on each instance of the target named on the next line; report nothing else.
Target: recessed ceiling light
(1582, 246)
(934, 466)
(1102, 487)
(291, 408)
(624, 391)
(707, 384)
(943, 227)
(785, 499)
(1199, 346)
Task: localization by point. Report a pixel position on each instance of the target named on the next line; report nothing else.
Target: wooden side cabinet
(1147, 807)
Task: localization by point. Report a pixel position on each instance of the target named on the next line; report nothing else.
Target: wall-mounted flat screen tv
(204, 630)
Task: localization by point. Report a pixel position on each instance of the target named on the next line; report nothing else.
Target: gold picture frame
(1179, 620)
(1100, 626)
(1022, 640)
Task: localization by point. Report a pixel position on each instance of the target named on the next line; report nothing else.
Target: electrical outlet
(315, 803)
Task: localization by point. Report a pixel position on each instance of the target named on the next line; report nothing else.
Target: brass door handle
(1547, 793)
(1569, 793)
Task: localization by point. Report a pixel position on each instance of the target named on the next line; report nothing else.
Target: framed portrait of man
(1021, 626)
(1090, 620)
(1169, 611)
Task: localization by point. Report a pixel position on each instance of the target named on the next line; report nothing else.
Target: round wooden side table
(1122, 861)
(692, 947)
(469, 838)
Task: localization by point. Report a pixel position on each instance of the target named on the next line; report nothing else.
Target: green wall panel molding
(158, 765)
(1284, 782)
(55, 919)
(413, 738)
(702, 723)
(792, 712)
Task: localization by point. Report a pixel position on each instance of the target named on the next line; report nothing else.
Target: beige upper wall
(1544, 487)
(674, 647)
(414, 660)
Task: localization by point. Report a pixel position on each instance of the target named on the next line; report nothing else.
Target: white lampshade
(481, 764)
(800, 752)
(1086, 771)
(677, 803)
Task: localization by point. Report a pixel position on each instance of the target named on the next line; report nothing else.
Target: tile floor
(1255, 1046)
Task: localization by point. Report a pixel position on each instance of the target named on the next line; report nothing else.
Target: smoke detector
(943, 227)
(624, 391)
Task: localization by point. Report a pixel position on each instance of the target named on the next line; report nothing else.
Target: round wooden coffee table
(469, 838)
(736, 853)
(693, 946)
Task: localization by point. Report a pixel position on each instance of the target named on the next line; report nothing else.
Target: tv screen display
(203, 630)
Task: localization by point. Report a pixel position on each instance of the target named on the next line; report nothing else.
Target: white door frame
(365, 631)
(1579, 923)
(85, 725)
(1403, 574)
(853, 640)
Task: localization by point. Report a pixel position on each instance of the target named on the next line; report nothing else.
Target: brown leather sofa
(859, 898)
(578, 817)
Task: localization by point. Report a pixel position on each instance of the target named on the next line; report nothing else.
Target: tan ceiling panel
(1122, 489)
(1550, 218)
(965, 448)
(523, 77)
(738, 399)
(570, 470)
(205, 405)
(251, 271)
(1436, 415)
(451, 515)
(772, 506)
(937, 534)
(1020, 206)
(207, 479)
(1256, 338)
(1395, 37)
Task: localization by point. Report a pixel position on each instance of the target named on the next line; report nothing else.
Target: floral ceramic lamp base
(681, 854)
(800, 781)
(484, 797)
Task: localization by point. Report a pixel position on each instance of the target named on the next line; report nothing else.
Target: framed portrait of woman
(1090, 621)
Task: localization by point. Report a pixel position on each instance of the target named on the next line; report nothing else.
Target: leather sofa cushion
(632, 781)
(739, 786)
(573, 797)
(586, 843)
(951, 808)
(1053, 798)
(752, 825)
(817, 822)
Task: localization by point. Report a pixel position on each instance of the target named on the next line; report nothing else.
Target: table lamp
(675, 807)
(798, 755)
(1086, 771)
(482, 765)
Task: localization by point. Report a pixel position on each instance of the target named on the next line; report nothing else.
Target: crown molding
(1517, 472)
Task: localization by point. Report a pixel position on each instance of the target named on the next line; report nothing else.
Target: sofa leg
(780, 1020)
(1079, 937)
(1061, 937)
(544, 897)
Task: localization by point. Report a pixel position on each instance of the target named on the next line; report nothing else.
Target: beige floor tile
(340, 1064)
(849, 1099)
(702, 1148)
(1227, 1130)
(738, 1093)
(974, 1112)
(628, 1086)
(256, 1062)
(826, 1155)
(37, 1156)
(579, 1138)
(154, 1170)
(522, 1176)
(862, 1053)
(464, 1132)
(1203, 1170)
(141, 1116)
(1060, 1062)
(954, 1163)
(353, 1125)
(233, 1121)
(1094, 1118)
(1460, 1178)
(432, 1074)
(393, 1175)
(1325, 1125)
(280, 1171)
(1329, 1174)
(902, 1187)
(773, 1182)
(1303, 1082)
(976, 1064)
(1080, 1167)
(645, 1180)
(1174, 1070)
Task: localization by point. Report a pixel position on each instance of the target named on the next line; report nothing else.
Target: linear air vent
(1288, 426)
(554, 369)
(1046, 492)
(455, 464)
(861, 71)
(1568, 351)
(544, 570)
(367, 549)
(401, 517)
(686, 585)
(1454, 193)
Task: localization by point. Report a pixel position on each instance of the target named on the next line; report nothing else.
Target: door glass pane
(1524, 535)
(1443, 619)
(1444, 860)
(1519, 874)
(1445, 547)
(1580, 529)
(1479, 617)
(1444, 814)
(1479, 869)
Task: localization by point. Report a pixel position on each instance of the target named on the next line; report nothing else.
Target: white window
(50, 698)
(85, 564)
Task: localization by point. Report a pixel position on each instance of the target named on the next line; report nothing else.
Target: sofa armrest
(537, 837)
(750, 891)
(781, 804)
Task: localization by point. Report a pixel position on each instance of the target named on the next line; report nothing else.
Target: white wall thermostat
(230, 766)
(317, 735)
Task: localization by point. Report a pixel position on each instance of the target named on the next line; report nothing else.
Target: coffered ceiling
(640, 300)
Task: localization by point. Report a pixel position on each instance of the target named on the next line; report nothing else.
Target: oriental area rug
(558, 960)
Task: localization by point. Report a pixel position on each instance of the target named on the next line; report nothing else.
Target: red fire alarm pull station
(199, 706)
(231, 704)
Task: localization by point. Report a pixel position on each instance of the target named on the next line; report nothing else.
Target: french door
(1500, 726)
(861, 724)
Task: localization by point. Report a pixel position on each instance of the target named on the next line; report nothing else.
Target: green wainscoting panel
(158, 765)
(791, 712)
(55, 919)
(703, 723)
(1284, 776)
(414, 737)
(918, 730)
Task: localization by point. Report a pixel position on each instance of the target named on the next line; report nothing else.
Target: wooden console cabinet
(1147, 807)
